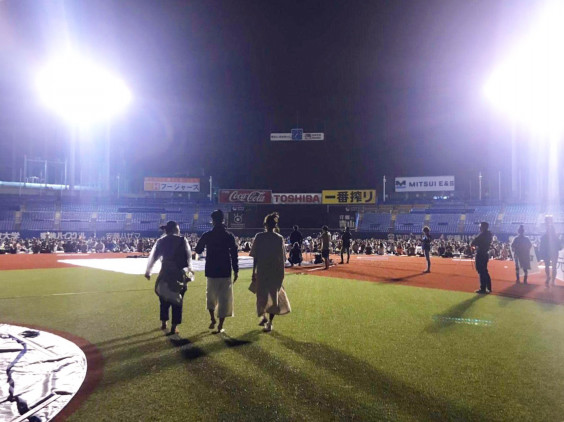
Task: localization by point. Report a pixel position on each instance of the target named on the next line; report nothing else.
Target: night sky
(396, 86)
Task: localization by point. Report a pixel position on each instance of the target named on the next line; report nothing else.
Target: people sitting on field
(448, 252)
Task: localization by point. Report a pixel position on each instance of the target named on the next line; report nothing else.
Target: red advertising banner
(247, 196)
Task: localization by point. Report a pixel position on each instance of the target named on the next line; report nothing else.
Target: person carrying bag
(176, 271)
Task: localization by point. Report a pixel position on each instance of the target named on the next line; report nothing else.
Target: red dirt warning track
(446, 274)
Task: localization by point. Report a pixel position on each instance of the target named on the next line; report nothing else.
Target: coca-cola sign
(247, 196)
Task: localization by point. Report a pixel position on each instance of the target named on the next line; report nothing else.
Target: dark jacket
(296, 236)
(221, 252)
(521, 246)
(483, 242)
(295, 256)
(347, 237)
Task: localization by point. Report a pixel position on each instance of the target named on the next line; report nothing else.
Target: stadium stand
(375, 222)
(478, 214)
(444, 223)
(409, 223)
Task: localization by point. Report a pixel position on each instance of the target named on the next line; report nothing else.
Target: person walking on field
(521, 247)
(426, 246)
(549, 248)
(483, 242)
(269, 253)
(325, 245)
(221, 258)
(346, 239)
(176, 256)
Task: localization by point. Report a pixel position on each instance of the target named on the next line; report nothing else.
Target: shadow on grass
(125, 338)
(448, 318)
(271, 388)
(359, 374)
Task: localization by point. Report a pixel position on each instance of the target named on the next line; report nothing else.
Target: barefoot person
(221, 258)
(269, 255)
(174, 251)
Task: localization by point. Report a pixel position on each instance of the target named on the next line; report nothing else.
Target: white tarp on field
(138, 265)
(40, 372)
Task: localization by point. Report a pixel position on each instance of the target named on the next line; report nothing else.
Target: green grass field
(350, 350)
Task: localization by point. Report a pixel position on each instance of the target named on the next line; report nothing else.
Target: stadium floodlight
(528, 84)
(81, 91)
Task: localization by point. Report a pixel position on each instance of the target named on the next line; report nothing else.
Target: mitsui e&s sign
(425, 184)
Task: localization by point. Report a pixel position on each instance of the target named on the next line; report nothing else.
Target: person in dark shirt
(521, 247)
(346, 247)
(482, 243)
(296, 236)
(221, 258)
(426, 246)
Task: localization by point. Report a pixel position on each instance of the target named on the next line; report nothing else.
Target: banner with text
(349, 196)
(246, 196)
(296, 198)
(171, 184)
(297, 134)
(424, 184)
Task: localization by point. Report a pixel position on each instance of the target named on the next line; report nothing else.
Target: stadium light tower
(82, 93)
(528, 86)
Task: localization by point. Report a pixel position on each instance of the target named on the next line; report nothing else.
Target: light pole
(480, 186)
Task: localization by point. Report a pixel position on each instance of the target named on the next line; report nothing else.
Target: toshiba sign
(296, 198)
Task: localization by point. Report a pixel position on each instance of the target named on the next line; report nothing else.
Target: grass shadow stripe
(378, 384)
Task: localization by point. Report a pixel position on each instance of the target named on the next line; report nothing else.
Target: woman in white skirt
(269, 253)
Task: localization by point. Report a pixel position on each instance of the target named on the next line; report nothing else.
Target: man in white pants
(221, 258)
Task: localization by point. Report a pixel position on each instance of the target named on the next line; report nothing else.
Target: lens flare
(81, 91)
(528, 85)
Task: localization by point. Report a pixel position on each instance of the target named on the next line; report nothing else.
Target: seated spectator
(381, 250)
(100, 247)
(399, 249)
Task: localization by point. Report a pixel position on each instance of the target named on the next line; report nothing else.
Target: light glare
(528, 85)
(80, 91)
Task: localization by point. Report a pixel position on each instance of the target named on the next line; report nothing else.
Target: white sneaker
(268, 327)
